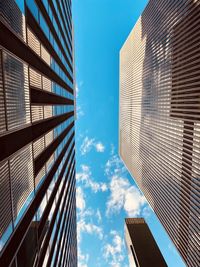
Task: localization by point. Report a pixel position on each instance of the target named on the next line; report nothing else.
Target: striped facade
(37, 138)
(159, 131)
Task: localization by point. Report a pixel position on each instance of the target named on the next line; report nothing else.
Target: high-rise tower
(160, 116)
(142, 248)
(37, 154)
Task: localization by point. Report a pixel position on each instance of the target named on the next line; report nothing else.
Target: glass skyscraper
(160, 116)
(37, 142)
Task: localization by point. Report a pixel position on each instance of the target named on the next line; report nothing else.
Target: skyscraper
(160, 116)
(37, 154)
(142, 248)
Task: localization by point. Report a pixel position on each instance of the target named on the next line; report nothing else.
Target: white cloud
(99, 147)
(79, 111)
(85, 177)
(80, 200)
(86, 145)
(146, 212)
(114, 166)
(124, 196)
(89, 228)
(82, 258)
(77, 90)
(113, 252)
(89, 143)
(78, 86)
(112, 151)
(98, 215)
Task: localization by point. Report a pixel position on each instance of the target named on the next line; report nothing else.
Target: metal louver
(12, 15)
(33, 42)
(2, 105)
(17, 92)
(5, 199)
(35, 78)
(38, 147)
(37, 113)
(21, 174)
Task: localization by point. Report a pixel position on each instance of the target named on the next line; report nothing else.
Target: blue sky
(106, 193)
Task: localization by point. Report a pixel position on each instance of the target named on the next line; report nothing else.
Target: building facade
(142, 248)
(159, 132)
(37, 142)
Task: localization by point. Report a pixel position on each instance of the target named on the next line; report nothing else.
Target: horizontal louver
(37, 113)
(38, 147)
(12, 15)
(48, 112)
(2, 105)
(47, 84)
(49, 138)
(17, 92)
(35, 78)
(49, 163)
(33, 42)
(21, 174)
(39, 176)
(45, 55)
(5, 200)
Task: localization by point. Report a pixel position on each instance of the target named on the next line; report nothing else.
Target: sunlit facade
(159, 126)
(37, 142)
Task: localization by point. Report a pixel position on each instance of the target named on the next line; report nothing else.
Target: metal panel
(49, 137)
(2, 104)
(48, 112)
(39, 176)
(46, 84)
(37, 113)
(38, 147)
(35, 78)
(50, 162)
(45, 55)
(7, 39)
(33, 42)
(28, 134)
(5, 199)
(16, 91)
(11, 14)
(21, 173)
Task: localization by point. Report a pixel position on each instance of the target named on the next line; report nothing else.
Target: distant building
(159, 126)
(37, 134)
(142, 248)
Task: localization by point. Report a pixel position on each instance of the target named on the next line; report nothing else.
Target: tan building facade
(159, 126)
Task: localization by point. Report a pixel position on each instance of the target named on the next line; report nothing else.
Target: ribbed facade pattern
(160, 116)
(37, 138)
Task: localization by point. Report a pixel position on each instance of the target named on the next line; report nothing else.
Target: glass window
(44, 26)
(27, 252)
(6, 235)
(46, 4)
(33, 8)
(20, 4)
(41, 208)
